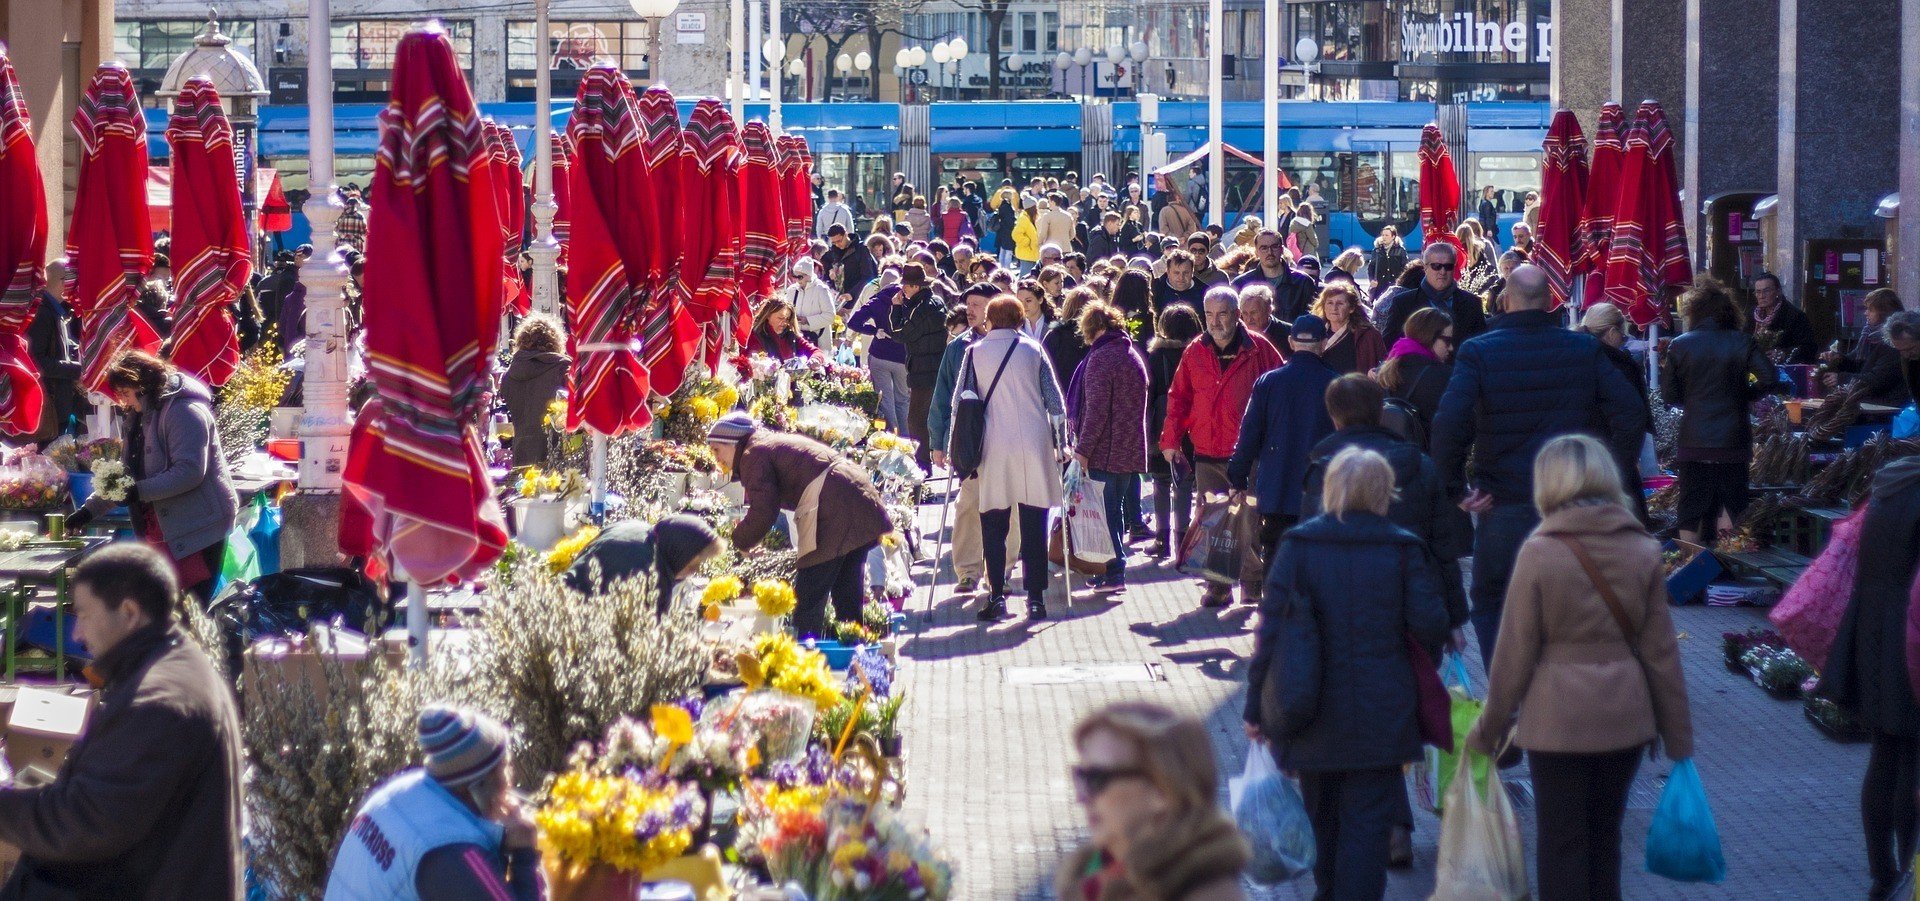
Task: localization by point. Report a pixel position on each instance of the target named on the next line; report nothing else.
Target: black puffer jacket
(1525, 382)
(921, 325)
(1866, 670)
(1420, 503)
(1339, 602)
(1712, 373)
(1163, 360)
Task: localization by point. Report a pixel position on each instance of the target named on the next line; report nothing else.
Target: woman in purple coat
(1107, 405)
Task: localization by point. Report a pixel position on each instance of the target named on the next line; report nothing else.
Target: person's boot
(1036, 606)
(1400, 847)
(1250, 595)
(995, 609)
(1158, 551)
(1216, 596)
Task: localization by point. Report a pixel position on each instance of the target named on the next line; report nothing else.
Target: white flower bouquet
(111, 480)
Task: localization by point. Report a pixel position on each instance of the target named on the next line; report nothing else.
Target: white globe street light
(773, 51)
(1116, 54)
(903, 58)
(1083, 56)
(941, 56)
(917, 57)
(863, 61)
(796, 67)
(958, 47)
(653, 9)
(843, 64)
(1139, 51)
(1062, 61)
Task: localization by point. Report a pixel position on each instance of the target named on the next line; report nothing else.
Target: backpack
(1400, 418)
(967, 443)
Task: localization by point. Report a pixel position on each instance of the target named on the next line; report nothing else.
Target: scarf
(1407, 347)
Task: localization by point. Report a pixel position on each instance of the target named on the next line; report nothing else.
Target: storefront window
(581, 45)
(155, 43)
(369, 43)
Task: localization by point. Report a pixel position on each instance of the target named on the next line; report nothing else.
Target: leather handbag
(1434, 705)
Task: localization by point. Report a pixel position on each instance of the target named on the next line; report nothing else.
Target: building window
(370, 43)
(1029, 35)
(581, 45)
(1050, 27)
(155, 43)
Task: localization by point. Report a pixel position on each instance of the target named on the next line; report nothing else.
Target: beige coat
(1561, 659)
(1056, 228)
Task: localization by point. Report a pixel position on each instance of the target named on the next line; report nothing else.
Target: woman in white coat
(1019, 466)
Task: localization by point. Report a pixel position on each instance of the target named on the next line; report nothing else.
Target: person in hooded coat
(535, 376)
(672, 549)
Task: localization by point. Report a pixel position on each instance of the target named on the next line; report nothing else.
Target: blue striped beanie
(461, 746)
(732, 428)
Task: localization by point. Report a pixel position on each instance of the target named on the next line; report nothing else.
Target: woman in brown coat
(1146, 779)
(837, 514)
(1592, 690)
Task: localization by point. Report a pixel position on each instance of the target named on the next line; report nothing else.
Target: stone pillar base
(310, 530)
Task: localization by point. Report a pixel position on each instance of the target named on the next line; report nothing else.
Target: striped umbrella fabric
(766, 222)
(1603, 194)
(110, 244)
(608, 253)
(212, 259)
(1439, 189)
(505, 154)
(1563, 192)
(1647, 261)
(562, 191)
(418, 500)
(709, 185)
(786, 162)
(669, 338)
(23, 245)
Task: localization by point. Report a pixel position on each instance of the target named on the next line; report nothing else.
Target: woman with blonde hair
(1353, 345)
(1350, 261)
(1331, 686)
(1147, 780)
(1587, 657)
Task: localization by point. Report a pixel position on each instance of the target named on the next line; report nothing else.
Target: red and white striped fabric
(211, 257)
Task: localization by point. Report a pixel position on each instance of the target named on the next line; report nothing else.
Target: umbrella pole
(417, 616)
(597, 466)
(1653, 353)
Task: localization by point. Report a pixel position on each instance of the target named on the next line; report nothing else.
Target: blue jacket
(1286, 417)
(1525, 382)
(940, 414)
(1340, 601)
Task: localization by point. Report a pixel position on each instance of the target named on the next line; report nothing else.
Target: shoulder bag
(1612, 600)
(966, 443)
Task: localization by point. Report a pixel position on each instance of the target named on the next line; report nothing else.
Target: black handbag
(967, 441)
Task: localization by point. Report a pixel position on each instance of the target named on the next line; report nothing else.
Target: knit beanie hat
(732, 428)
(461, 746)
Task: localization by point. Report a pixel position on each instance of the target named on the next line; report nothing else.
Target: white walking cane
(1066, 518)
(939, 546)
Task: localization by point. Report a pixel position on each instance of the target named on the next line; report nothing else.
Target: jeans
(1496, 543)
(919, 403)
(1130, 517)
(890, 379)
(1113, 491)
(1172, 510)
(1581, 799)
(1033, 548)
(1887, 812)
(844, 578)
(1352, 813)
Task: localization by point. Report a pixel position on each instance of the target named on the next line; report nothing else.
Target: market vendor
(1874, 366)
(450, 829)
(182, 501)
(837, 515)
(673, 548)
(1903, 335)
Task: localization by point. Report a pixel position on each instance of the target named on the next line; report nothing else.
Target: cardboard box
(299, 661)
(43, 727)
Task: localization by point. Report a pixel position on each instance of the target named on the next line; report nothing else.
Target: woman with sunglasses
(1146, 779)
(1331, 684)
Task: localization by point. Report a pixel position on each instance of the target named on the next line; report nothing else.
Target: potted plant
(887, 726)
(540, 509)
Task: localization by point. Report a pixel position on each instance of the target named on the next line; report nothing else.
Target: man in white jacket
(833, 212)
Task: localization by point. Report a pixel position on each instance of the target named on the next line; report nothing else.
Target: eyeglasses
(1440, 267)
(1092, 781)
(1267, 246)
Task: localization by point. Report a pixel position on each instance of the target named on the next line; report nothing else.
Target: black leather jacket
(1712, 373)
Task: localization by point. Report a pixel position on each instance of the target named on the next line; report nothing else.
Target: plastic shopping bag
(239, 562)
(266, 534)
(1906, 423)
(1434, 777)
(1481, 858)
(1682, 843)
(1273, 817)
(1087, 517)
(1213, 545)
(1808, 615)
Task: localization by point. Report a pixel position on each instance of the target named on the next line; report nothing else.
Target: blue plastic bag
(1683, 844)
(1273, 817)
(266, 534)
(1906, 423)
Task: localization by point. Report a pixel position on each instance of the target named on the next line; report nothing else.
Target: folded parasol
(1647, 259)
(211, 257)
(110, 244)
(1603, 195)
(669, 338)
(1563, 192)
(607, 256)
(23, 245)
(1439, 189)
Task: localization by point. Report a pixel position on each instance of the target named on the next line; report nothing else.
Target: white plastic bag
(1087, 517)
(1273, 818)
(1481, 857)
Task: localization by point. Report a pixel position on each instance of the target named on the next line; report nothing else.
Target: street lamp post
(774, 51)
(1138, 52)
(545, 249)
(958, 49)
(1083, 58)
(863, 63)
(655, 13)
(1061, 62)
(1270, 116)
(941, 56)
(324, 425)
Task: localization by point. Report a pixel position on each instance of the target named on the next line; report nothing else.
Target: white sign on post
(691, 27)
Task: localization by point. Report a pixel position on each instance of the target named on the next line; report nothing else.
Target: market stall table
(40, 564)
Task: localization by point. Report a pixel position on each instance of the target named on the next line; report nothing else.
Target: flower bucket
(599, 882)
(675, 487)
(80, 485)
(541, 523)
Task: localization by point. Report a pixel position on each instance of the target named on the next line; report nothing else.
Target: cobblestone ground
(988, 757)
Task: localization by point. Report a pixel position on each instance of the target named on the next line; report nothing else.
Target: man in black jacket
(1525, 382)
(1179, 284)
(1780, 327)
(1292, 291)
(848, 263)
(919, 320)
(1440, 288)
(53, 345)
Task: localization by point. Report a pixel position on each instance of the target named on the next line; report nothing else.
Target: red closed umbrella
(23, 245)
(211, 257)
(607, 257)
(766, 222)
(562, 183)
(709, 184)
(505, 155)
(1563, 192)
(1439, 189)
(1603, 194)
(669, 338)
(803, 199)
(276, 214)
(1647, 259)
(110, 246)
(786, 159)
(417, 497)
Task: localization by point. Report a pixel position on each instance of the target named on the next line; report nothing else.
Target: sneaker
(994, 611)
(1216, 598)
(1250, 595)
(1036, 606)
(1108, 583)
(967, 585)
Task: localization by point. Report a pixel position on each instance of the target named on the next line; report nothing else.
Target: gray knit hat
(732, 428)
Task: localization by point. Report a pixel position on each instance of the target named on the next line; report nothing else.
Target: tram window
(1366, 189)
(1317, 175)
(1511, 176)
(1404, 182)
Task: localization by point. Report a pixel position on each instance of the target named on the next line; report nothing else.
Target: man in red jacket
(1209, 396)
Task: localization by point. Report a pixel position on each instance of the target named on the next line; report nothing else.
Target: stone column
(489, 57)
(1906, 275)
(1839, 115)
(55, 45)
(696, 69)
(1732, 93)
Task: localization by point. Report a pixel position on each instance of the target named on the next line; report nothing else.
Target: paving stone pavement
(988, 760)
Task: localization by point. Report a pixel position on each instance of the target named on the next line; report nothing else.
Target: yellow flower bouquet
(775, 597)
(631, 820)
